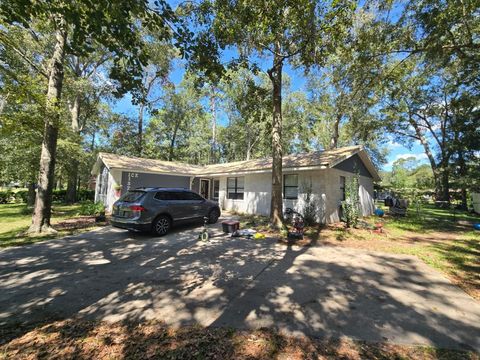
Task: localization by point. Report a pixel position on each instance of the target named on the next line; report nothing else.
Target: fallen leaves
(81, 339)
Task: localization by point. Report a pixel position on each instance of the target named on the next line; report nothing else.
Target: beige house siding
(326, 194)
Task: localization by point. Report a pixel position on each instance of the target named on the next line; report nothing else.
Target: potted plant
(118, 190)
(99, 212)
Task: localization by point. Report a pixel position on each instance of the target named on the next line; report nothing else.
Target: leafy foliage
(89, 207)
(351, 204)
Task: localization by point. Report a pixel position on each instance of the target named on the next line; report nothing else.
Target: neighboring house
(245, 186)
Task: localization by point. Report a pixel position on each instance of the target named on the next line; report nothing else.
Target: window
(342, 186)
(290, 186)
(132, 196)
(216, 188)
(191, 196)
(235, 188)
(164, 195)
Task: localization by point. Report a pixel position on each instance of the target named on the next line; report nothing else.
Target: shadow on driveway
(114, 275)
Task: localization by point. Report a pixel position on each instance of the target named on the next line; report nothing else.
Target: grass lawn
(439, 237)
(15, 219)
(77, 339)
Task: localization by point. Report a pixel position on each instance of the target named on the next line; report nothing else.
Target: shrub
(21, 196)
(310, 207)
(89, 207)
(351, 204)
(59, 195)
(85, 194)
(6, 196)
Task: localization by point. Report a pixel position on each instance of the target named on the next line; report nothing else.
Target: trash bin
(230, 226)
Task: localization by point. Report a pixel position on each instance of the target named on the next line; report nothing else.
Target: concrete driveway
(320, 291)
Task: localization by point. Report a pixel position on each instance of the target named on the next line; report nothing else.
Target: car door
(194, 204)
(172, 202)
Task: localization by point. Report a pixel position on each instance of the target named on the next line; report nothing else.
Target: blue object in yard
(379, 212)
(476, 226)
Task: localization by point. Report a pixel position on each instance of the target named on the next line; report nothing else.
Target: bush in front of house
(310, 205)
(351, 204)
(82, 195)
(90, 208)
(85, 194)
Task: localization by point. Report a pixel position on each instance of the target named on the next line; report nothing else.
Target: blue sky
(298, 81)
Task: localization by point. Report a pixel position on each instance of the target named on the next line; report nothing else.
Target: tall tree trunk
(213, 110)
(43, 201)
(335, 135)
(31, 193)
(444, 189)
(172, 141)
(463, 173)
(438, 170)
(92, 144)
(140, 130)
(276, 205)
(71, 195)
(3, 102)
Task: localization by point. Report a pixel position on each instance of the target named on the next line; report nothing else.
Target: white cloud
(418, 157)
(393, 145)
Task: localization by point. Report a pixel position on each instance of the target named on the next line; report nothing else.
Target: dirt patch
(79, 222)
(448, 251)
(86, 340)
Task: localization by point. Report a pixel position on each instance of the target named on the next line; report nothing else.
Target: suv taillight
(137, 208)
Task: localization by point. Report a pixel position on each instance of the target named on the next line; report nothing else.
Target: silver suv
(157, 209)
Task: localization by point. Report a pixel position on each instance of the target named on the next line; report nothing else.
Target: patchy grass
(440, 238)
(444, 239)
(16, 218)
(78, 339)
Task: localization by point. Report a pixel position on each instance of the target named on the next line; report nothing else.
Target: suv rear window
(132, 196)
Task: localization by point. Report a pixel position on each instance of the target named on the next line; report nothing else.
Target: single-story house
(245, 186)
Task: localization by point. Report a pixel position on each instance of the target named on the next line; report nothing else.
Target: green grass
(16, 218)
(429, 219)
(442, 238)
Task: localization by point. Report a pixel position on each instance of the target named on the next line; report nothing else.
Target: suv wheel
(161, 225)
(213, 216)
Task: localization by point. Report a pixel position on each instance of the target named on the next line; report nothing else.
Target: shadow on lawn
(434, 219)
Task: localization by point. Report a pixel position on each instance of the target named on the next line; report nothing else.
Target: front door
(205, 188)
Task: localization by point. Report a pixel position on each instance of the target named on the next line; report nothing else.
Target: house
(245, 186)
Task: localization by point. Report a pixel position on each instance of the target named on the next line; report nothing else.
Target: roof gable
(354, 164)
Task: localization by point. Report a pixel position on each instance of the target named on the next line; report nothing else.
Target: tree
(22, 93)
(425, 106)
(179, 129)
(247, 105)
(299, 32)
(77, 28)
(84, 86)
(154, 73)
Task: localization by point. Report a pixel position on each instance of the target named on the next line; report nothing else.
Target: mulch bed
(80, 339)
(79, 222)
